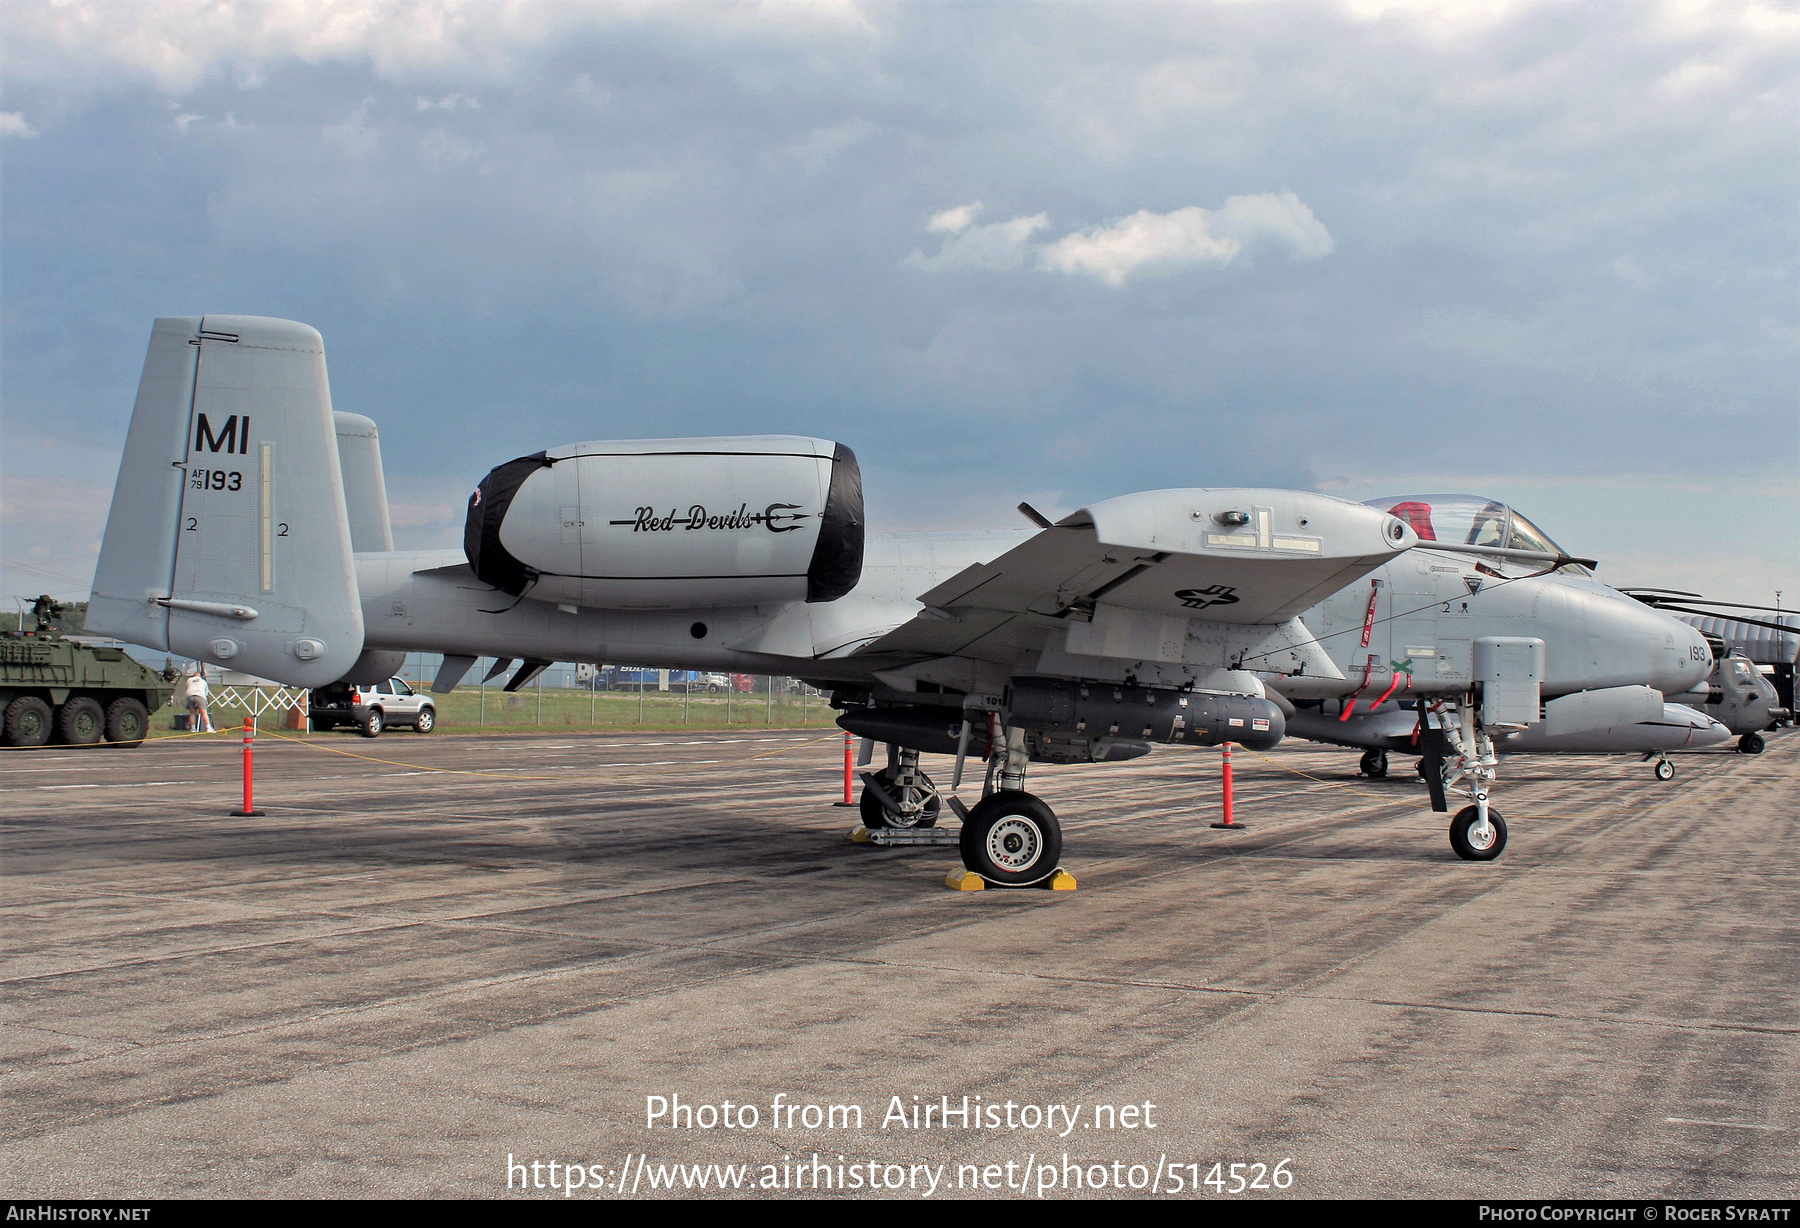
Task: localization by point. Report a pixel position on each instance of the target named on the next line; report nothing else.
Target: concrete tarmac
(402, 976)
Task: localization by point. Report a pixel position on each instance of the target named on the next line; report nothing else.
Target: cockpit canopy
(1468, 520)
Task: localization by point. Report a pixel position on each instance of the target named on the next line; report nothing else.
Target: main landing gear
(1010, 837)
(1751, 744)
(1374, 764)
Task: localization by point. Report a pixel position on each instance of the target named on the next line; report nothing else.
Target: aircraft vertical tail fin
(365, 488)
(229, 539)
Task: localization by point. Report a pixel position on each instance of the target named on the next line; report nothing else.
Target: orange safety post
(249, 811)
(1230, 824)
(849, 771)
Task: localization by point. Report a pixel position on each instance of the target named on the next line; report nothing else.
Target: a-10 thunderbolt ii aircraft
(1177, 616)
(1396, 728)
(1396, 725)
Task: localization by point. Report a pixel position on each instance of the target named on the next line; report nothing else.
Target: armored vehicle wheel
(27, 721)
(876, 814)
(127, 721)
(1012, 839)
(1664, 770)
(1466, 848)
(372, 724)
(1374, 764)
(427, 720)
(80, 721)
(1750, 744)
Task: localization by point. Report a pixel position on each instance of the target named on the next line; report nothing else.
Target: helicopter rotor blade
(1748, 622)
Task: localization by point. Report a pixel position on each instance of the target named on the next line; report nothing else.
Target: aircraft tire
(1375, 764)
(1664, 770)
(1459, 835)
(1012, 839)
(1751, 744)
(874, 814)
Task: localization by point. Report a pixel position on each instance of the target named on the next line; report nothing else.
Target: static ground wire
(145, 741)
(1320, 639)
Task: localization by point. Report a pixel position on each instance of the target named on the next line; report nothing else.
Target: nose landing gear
(1375, 764)
(1477, 837)
(1477, 833)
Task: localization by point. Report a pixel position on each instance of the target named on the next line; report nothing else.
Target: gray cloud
(1560, 235)
(1143, 242)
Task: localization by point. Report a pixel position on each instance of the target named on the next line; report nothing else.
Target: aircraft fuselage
(1414, 618)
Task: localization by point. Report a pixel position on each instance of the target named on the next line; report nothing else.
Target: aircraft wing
(1164, 557)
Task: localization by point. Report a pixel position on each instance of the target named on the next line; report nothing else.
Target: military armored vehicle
(52, 686)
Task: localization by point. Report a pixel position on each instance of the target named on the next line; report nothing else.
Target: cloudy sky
(1056, 252)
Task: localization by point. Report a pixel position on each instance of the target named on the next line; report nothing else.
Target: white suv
(372, 708)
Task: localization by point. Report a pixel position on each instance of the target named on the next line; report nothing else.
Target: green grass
(466, 709)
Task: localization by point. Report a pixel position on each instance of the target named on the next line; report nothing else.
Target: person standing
(195, 691)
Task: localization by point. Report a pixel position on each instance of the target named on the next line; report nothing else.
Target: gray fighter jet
(246, 530)
(1398, 728)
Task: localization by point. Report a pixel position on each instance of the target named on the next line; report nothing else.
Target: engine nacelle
(672, 523)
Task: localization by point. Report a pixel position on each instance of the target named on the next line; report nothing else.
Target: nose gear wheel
(1474, 841)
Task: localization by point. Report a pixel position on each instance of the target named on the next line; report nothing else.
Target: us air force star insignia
(1201, 598)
